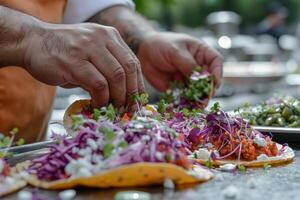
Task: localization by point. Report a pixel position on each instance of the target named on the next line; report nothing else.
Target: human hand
(165, 55)
(91, 56)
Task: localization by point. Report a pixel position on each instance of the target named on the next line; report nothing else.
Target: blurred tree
(193, 13)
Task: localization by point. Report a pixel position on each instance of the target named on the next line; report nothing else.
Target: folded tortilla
(73, 109)
(18, 184)
(138, 174)
(285, 157)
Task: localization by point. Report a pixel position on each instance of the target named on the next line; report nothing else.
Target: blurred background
(259, 40)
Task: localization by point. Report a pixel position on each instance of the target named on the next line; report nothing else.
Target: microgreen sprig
(140, 100)
(6, 142)
(215, 107)
(242, 168)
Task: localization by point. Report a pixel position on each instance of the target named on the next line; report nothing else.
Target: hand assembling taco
(103, 154)
(225, 139)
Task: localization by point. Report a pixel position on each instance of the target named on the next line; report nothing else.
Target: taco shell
(139, 174)
(73, 109)
(18, 184)
(286, 157)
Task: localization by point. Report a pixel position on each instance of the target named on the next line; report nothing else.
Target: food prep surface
(276, 183)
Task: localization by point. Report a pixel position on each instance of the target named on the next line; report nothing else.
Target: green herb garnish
(169, 158)
(77, 120)
(196, 89)
(123, 144)
(14, 131)
(108, 133)
(267, 166)
(96, 114)
(5, 142)
(141, 99)
(21, 141)
(209, 164)
(107, 150)
(215, 107)
(110, 112)
(161, 106)
(186, 112)
(241, 168)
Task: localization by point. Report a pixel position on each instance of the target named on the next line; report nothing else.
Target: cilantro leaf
(110, 112)
(215, 107)
(141, 99)
(77, 120)
(107, 150)
(267, 166)
(237, 110)
(169, 158)
(5, 142)
(144, 98)
(21, 141)
(185, 112)
(241, 168)
(123, 144)
(208, 164)
(197, 69)
(108, 133)
(14, 131)
(161, 106)
(96, 114)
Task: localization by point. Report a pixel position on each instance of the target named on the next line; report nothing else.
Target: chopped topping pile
(101, 145)
(173, 131)
(230, 137)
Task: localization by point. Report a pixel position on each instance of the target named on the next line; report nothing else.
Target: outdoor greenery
(193, 13)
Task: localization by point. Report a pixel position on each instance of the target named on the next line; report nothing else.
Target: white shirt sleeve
(78, 11)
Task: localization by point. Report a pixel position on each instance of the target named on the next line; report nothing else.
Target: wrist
(33, 37)
(140, 39)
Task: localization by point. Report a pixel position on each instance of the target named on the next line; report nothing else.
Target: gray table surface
(278, 183)
(255, 184)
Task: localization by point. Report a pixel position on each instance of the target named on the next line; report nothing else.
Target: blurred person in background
(273, 23)
(38, 51)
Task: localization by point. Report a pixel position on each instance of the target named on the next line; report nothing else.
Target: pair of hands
(96, 58)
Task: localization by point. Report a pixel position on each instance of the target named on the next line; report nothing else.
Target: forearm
(14, 30)
(132, 27)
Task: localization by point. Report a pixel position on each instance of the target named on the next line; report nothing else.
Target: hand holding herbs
(192, 94)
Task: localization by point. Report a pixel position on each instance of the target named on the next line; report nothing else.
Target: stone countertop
(255, 184)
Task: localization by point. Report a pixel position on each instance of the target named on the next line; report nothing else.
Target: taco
(82, 109)
(223, 139)
(9, 180)
(104, 154)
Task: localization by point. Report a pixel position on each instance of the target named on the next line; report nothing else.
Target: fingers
(130, 65)
(114, 74)
(184, 62)
(212, 59)
(141, 84)
(89, 78)
(158, 79)
(68, 86)
(140, 79)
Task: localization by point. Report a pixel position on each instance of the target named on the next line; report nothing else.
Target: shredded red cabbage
(142, 139)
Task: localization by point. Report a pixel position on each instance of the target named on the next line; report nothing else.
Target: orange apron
(25, 102)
